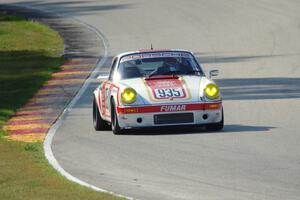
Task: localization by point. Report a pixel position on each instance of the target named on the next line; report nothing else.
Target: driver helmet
(171, 62)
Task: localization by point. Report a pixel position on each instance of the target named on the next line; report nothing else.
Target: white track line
(51, 133)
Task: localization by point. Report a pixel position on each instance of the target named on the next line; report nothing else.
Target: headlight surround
(128, 95)
(212, 91)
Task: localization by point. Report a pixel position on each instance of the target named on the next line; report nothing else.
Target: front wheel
(98, 122)
(114, 121)
(216, 126)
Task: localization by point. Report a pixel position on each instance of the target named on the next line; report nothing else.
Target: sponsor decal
(166, 89)
(103, 98)
(172, 108)
(106, 89)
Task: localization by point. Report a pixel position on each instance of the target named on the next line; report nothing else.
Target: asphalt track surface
(254, 44)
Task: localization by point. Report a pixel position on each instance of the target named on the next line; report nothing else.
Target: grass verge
(29, 53)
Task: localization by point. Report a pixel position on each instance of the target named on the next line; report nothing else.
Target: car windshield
(157, 64)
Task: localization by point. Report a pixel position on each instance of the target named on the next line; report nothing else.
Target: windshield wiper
(171, 73)
(165, 73)
(177, 73)
(194, 72)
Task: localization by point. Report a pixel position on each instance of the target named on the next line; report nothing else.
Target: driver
(170, 65)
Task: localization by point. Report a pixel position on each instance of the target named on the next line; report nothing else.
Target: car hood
(167, 89)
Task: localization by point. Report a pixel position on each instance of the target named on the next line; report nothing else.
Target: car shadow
(184, 130)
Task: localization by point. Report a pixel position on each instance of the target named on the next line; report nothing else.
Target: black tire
(98, 123)
(216, 126)
(114, 120)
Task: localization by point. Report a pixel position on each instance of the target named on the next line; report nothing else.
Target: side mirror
(102, 77)
(214, 72)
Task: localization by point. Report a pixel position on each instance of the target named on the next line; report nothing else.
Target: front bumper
(137, 117)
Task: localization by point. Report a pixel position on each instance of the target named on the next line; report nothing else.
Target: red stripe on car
(169, 108)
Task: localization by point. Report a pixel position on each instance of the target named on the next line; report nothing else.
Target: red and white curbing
(32, 122)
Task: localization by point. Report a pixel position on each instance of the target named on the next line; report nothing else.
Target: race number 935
(164, 93)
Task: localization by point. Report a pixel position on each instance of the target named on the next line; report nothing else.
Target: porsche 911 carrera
(153, 88)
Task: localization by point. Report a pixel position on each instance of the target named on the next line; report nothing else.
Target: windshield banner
(155, 55)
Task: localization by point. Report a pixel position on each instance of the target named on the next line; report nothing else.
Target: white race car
(152, 88)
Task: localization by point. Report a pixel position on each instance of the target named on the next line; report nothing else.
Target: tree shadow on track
(252, 88)
(207, 58)
(74, 8)
(80, 41)
(185, 130)
(259, 88)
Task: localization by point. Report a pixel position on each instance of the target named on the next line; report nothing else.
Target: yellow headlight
(128, 95)
(212, 91)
